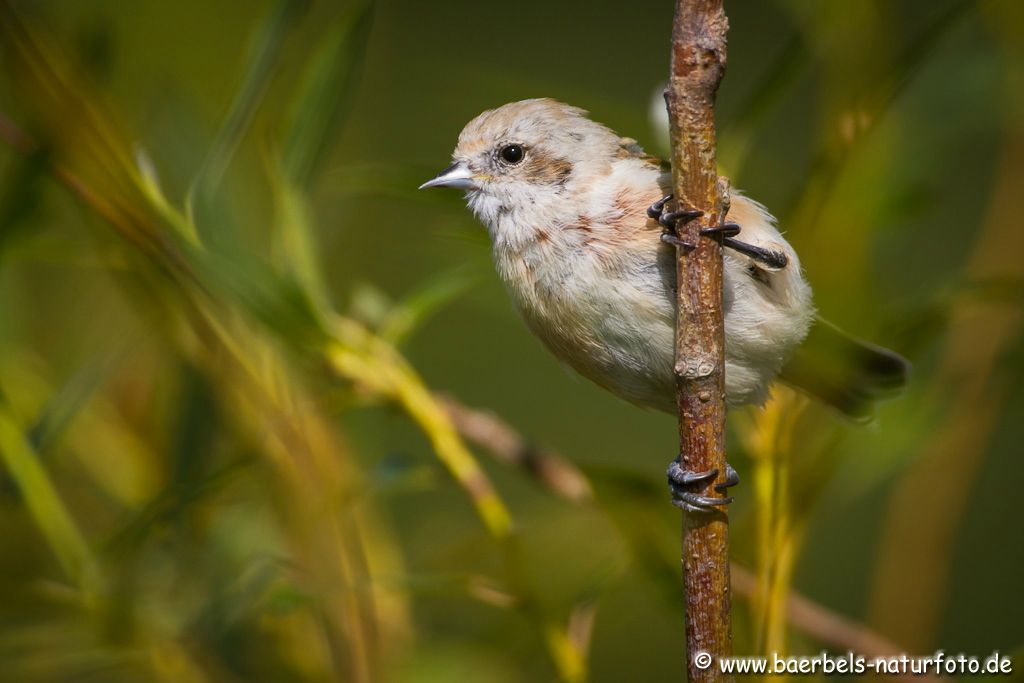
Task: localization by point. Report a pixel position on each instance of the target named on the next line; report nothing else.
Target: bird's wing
(631, 149)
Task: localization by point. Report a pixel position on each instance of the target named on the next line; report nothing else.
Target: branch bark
(697, 67)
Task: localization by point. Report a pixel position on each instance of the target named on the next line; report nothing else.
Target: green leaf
(280, 303)
(322, 101)
(295, 241)
(43, 501)
(317, 114)
(61, 409)
(418, 307)
(263, 61)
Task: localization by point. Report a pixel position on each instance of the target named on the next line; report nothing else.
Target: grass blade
(263, 62)
(42, 499)
(323, 98)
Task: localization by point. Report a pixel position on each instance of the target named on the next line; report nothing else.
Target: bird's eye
(512, 154)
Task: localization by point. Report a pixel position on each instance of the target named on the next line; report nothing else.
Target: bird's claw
(669, 221)
(681, 481)
(676, 241)
(657, 208)
(725, 230)
(771, 259)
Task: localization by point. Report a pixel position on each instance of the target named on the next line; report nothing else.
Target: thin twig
(491, 432)
(698, 64)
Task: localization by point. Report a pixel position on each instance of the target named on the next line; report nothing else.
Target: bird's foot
(670, 220)
(681, 483)
(769, 258)
(726, 230)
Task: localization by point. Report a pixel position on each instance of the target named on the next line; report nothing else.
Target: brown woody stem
(698, 64)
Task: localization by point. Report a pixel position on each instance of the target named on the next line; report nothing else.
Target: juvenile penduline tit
(583, 238)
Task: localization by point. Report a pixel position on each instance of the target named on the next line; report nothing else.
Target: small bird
(583, 241)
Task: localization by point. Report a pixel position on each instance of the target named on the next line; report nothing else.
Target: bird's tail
(846, 373)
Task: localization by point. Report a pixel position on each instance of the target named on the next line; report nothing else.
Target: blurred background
(266, 413)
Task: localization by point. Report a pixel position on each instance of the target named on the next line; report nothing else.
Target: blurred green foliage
(224, 312)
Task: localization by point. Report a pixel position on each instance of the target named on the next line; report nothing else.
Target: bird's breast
(607, 315)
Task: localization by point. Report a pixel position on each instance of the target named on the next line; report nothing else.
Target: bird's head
(519, 162)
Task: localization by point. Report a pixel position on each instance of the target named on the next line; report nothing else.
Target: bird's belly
(620, 334)
(615, 332)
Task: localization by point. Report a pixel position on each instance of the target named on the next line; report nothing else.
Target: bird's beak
(456, 175)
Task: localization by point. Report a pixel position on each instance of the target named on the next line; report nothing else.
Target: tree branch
(490, 431)
(698, 64)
